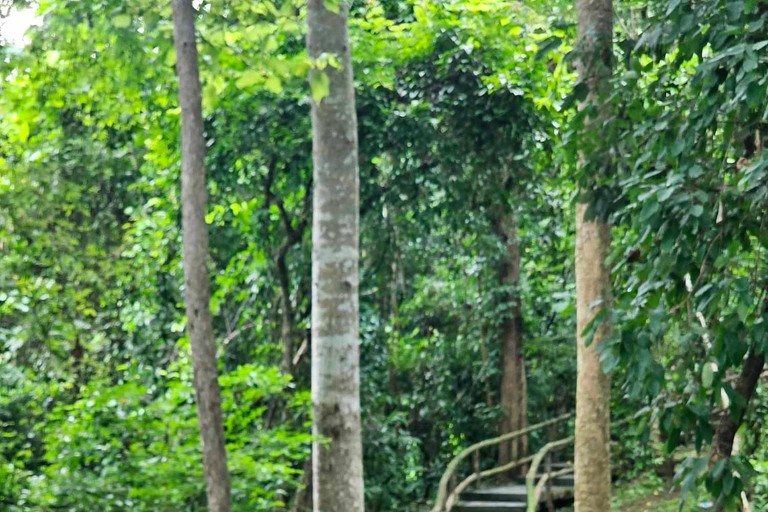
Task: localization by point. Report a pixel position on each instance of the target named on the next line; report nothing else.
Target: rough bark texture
(592, 451)
(337, 471)
(195, 254)
(593, 457)
(514, 392)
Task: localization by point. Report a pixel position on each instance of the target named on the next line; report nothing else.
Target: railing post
(550, 503)
(476, 461)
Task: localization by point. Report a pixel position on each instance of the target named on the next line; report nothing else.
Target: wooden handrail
(441, 503)
(547, 479)
(534, 490)
(446, 500)
(474, 477)
(530, 478)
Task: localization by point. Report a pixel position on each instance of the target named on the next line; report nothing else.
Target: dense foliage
(467, 110)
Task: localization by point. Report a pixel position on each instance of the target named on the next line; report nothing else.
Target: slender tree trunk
(302, 501)
(484, 344)
(592, 451)
(513, 397)
(195, 254)
(337, 471)
(286, 332)
(745, 386)
(394, 314)
(725, 434)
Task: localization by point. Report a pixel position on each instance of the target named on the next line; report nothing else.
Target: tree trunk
(195, 255)
(745, 386)
(302, 501)
(592, 451)
(514, 393)
(286, 332)
(337, 471)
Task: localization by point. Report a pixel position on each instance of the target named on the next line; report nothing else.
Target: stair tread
(491, 505)
(507, 489)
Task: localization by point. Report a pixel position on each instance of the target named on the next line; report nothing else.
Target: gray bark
(337, 465)
(593, 238)
(195, 254)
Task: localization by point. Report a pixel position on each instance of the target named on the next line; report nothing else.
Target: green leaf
(333, 5)
(170, 57)
(320, 86)
(666, 193)
(707, 375)
(121, 21)
(248, 79)
(274, 85)
(697, 210)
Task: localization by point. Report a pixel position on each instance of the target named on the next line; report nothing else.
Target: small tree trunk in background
(592, 450)
(302, 501)
(745, 386)
(513, 397)
(195, 253)
(484, 343)
(337, 471)
(725, 434)
(394, 314)
(286, 331)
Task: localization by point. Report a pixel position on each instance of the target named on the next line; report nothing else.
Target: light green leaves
(170, 57)
(121, 21)
(248, 79)
(274, 85)
(320, 86)
(333, 5)
(252, 77)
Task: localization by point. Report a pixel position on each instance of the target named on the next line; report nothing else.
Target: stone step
(563, 480)
(495, 494)
(512, 493)
(490, 506)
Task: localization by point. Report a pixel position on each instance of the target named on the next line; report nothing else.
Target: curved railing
(534, 489)
(448, 490)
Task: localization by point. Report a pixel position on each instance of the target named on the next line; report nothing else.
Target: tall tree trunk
(514, 393)
(592, 465)
(195, 255)
(337, 471)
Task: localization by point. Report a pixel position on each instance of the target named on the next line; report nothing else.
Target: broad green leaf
(24, 132)
(274, 85)
(333, 5)
(248, 79)
(170, 57)
(320, 86)
(121, 21)
(697, 210)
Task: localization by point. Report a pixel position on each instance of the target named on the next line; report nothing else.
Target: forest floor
(647, 493)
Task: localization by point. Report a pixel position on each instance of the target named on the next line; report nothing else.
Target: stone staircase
(513, 497)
